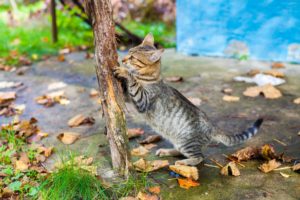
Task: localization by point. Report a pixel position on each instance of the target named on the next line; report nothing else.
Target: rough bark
(100, 14)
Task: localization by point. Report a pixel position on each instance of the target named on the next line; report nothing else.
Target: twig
(240, 164)
(280, 142)
(282, 168)
(216, 162)
(213, 166)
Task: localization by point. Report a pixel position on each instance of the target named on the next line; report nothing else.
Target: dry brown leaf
(227, 91)
(187, 183)
(40, 158)
(196, 101)
(186, 171)
(6, 193)
(296, 167)
(274, 73)
(37, 137)
(7, 96)
(154, 189)
(267, 152)
(139, 151)
(230, 169)
(68, 137)
(145, 196)
(277, 65)
(174, 79)
(149, 166)
(149, 146)
(151, 139)
(80, 120)
(269, 166)
(253, 72)
(270, 92)
(135, 132)
(21, 165)
(47, 151)
(61, 58)
(229, 98)
(297, 101)
(94, 93)
(245, 154)
(252, 91)
(50, 99)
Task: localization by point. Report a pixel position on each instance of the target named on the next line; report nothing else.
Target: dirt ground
(204, 78)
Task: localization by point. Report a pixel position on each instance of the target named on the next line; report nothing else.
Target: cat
(167, 111)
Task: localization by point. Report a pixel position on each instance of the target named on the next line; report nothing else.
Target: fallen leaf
(187, 183)
(7, 96)
(253, 72)
(230, 169)
(269, 166)
(269, 91)
(145, 196)
(174, 79)
(296, 167)
(252, 91)
(37, 137)
(94, 93)
(154, 189)
(297, 101)
(245, 154)
(230, 98)
(277, 65)
(267, 152)
(64, 51)
(196, 101)
(40, 158)
(151, 139)
(22, 70)
(149, 146)
(274, 73)
(186, 171)
(47, 151)
(135, 132)
(80, 120)
(6, 84)
(6, 193)
(227, 91)
(139, 151)
(149, 166)
(284, 175)
(68, 137)
(61, 58)
(21, 165)
(50, 99)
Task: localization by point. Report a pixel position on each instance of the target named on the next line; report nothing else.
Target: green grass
(71, 183)
(163, 34)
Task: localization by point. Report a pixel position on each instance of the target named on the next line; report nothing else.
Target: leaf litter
(68, 137)
(149, 166)
(80, 120)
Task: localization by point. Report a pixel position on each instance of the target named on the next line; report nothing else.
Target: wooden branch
(100, 14)
(53, 21)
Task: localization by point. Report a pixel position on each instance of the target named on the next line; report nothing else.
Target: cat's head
(144, 59)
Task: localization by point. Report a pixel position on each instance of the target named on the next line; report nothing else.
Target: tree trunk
(112, 101)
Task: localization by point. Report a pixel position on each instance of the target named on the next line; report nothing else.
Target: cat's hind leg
(167, 152)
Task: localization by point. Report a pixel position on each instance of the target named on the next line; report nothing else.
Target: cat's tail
(229, 140)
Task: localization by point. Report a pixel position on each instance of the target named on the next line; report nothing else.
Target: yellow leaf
(139, 151)
(68, 137)
(186, 171)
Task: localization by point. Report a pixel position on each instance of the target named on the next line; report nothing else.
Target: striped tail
(239, 138)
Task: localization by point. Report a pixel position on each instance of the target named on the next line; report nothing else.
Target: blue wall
(264, 29)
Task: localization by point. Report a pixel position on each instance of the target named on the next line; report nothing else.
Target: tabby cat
(167, 111)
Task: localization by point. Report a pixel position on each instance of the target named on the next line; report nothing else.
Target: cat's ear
(156, 55)
(149, 40)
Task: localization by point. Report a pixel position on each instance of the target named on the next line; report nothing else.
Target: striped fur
(167, 110)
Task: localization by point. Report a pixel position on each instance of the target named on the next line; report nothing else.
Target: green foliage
(70, 183)
(136, 182)
(161, 32)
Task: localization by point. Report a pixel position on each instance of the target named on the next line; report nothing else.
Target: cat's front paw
(121, 72)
